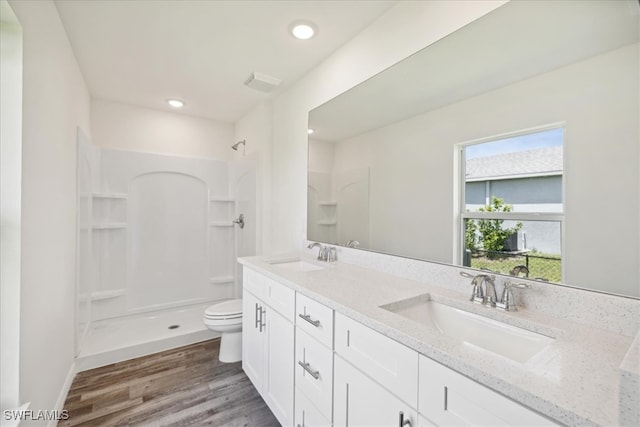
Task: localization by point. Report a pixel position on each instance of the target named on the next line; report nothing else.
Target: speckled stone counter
(575, 380)
(630, 386)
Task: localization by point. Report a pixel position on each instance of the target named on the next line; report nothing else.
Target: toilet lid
(227, 308)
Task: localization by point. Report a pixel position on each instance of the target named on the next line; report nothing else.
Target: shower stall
(157, 244)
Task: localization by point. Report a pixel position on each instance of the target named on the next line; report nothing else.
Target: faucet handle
(333, 254)
(518, 285)
(507, 302)
(477, 295)
(467, 275)
(490, 297)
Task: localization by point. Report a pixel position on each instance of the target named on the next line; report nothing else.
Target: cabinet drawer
(307, 415)
(383, 359)
(280, 298)
(449, 398)
(314, 371)
(253, 282)
(315, 319)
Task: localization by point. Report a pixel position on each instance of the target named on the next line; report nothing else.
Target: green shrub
(492, 236)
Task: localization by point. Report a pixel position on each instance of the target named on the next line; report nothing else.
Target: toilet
(226, 318)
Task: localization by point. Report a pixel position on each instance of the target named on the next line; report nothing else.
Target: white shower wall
(162, 233)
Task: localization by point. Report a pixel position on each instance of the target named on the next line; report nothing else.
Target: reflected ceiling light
(303, 30)
(175, 103)
(310, 131)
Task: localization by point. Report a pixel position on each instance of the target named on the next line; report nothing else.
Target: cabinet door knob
(404, 422)
(307, 317)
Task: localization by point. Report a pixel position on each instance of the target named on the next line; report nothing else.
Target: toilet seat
(227, 310)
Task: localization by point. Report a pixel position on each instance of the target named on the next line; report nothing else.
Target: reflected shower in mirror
(386, 159)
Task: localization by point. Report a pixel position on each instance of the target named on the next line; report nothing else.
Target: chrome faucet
(488, 297)
(353, 244)
(515, 271)
(317, 245)
(325, 253)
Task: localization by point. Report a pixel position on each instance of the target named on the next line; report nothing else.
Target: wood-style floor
(186, 386)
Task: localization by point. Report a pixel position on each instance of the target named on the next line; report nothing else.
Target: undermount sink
(472, 329)
(296, 264)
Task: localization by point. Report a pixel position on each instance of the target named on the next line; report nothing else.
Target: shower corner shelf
(109, 226)
(327, 203)
(327, 222)
(109, 195)
(222, 199)
(221, 224)
(221, 280)
(102, 295)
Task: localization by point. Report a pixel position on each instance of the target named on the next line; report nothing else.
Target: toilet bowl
(226, 318)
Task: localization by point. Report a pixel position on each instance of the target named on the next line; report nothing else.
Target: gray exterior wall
(538, 194)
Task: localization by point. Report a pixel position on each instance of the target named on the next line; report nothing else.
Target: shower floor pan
(114, 340)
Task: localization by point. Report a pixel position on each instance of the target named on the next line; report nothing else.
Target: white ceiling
(142, 52)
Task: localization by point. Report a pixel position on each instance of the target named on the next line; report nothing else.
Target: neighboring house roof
(539, 162)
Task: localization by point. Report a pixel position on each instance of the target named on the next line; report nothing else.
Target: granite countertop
(575, 380)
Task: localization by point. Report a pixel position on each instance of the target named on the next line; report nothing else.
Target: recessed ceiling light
(303, 30)
(175, 103)
(310, 131)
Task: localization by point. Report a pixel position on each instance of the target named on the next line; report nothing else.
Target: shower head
(235, 146)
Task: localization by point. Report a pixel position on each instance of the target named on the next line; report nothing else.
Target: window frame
(460, 185)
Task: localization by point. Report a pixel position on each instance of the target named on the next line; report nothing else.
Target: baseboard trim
(64, 391)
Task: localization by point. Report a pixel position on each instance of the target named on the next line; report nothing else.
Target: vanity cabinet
(344, 373)
(268, 342)
(314, 362)
(449, 398)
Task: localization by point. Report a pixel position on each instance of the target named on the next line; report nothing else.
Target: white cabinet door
(252, 339)
(268, 353)
(277, 388)
(449, 398)
(360, 401)
(307, 415)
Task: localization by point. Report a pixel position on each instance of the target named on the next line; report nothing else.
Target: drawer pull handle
(263, 322)
(404, 422)
(258, 320)
(306, 317)
(305, 366)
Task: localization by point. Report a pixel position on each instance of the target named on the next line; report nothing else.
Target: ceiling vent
(262, 82)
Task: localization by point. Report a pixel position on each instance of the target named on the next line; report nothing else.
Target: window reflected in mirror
(513, 204)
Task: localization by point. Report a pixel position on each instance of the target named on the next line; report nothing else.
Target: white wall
(403, 30)
(55, 102)
(127, 127)
(10, 212)
(256, 129)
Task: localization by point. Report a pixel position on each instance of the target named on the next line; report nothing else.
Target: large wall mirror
(391, 169)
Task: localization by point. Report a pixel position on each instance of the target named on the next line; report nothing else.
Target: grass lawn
(548, 268)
